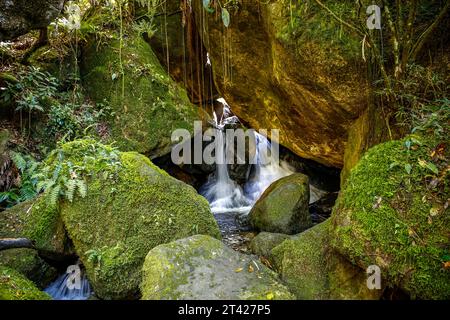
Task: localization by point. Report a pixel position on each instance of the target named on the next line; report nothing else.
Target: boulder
(39, 222)
(201, 267)
(264, 242)
(18, 17)
(27, 262)
(283, 207)
(313, 271)
(15, 286)
(147, 104)
(392, 212)
(130, 207)
(291, 72)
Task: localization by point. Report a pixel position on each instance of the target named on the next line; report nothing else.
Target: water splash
(63, 289)
(224, 194)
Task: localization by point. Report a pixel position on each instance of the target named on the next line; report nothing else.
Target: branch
(352, 27)
(423, 38)
(12, 243)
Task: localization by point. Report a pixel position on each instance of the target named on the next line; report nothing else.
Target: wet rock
(201, 267)
(18, 17)
(121, 219)
(28, 262)
(264, 242)
(15, 286)
(283, 207)
(290, 73)
(313, 271)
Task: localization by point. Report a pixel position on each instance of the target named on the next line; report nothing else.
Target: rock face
(38, 222)
(28, 263)
(14, 286)
(18, 17)
(283, 207)
(264, 242)
(147, 104)
(312, 271)
(124, 216)
(397, 220)
(278, 65)
(201, 267)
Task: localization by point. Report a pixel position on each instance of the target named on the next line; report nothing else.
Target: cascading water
(68, 287)
(228, 200)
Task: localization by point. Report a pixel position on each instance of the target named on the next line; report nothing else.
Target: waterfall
(224, 194)
(266, 170)
(64, 288)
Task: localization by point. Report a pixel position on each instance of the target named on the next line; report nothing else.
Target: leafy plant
(67, 168)
(26, 190)
(32, 92)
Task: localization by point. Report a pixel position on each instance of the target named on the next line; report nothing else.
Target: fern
(71, 186)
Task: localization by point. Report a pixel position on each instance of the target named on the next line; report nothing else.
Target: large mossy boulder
(39, 222)
(15, 286)
(201, 267)
(147, 104)
(283, 207)
(130, 207)
(392, 212)
(30, 264)
(300, 66)
(313, 271)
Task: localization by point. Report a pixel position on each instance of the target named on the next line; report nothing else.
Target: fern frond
(82, 188)
(53, 194)
(71, 185)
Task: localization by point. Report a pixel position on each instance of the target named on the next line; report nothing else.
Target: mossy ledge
(389, 214)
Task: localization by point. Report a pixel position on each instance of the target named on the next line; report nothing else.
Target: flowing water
(70, 286)
(229, 202)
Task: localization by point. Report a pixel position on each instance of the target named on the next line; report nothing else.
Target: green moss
(283, 207)
(14, 286)
(302, 264)
(126, 214)
(201, 267)
(393, 219)
(148, 105)
(35, 220)
(28, 263)
(301, 24)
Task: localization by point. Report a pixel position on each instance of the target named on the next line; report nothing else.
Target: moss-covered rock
(312, 271)
(264, 242)
(283, 207)
(201, 267)
(392, 213)
(27, 262)
(127, 211)
(39, 222)
(147, 104)
(15, 286)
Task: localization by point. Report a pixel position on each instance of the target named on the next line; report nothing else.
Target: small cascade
(70, 286)
(223, 194)
(266, 170)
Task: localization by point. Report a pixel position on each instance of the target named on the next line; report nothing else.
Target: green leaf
(225, 17)
(408, 168)
(432, 167)
(206, 5)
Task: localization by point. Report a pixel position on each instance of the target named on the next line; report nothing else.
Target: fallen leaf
(239, 270)
(250, 268)
(270, 296)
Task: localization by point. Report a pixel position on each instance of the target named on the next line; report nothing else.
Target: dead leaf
(239, 270)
